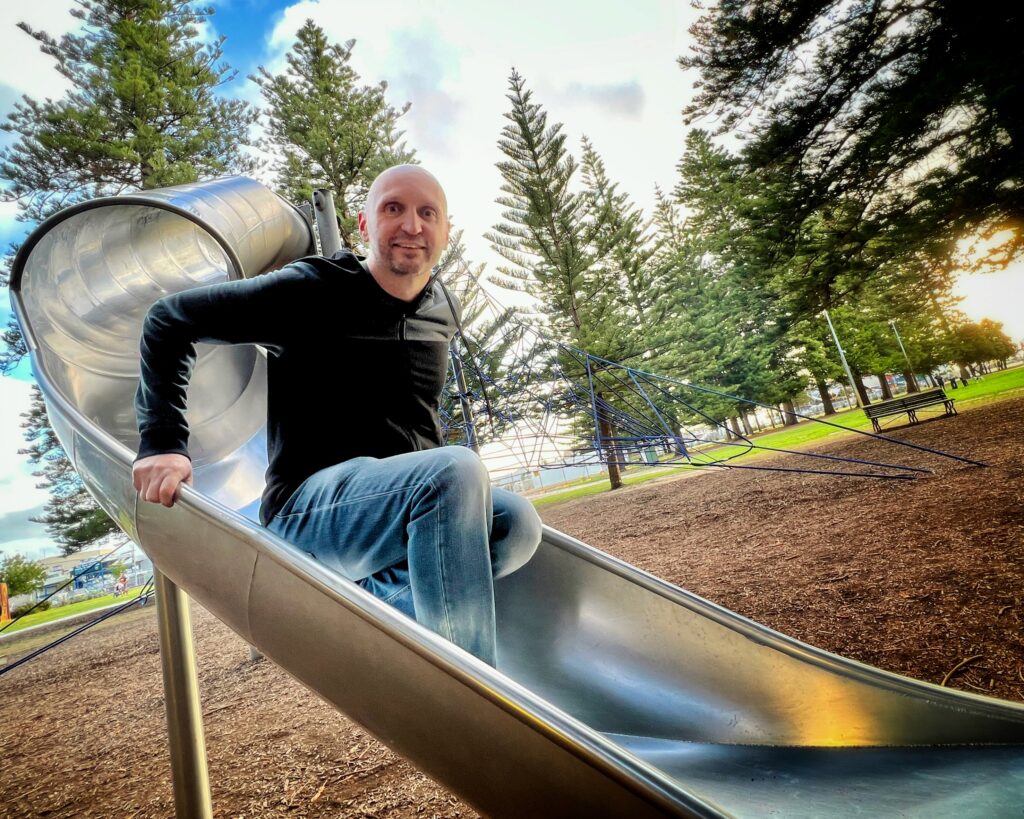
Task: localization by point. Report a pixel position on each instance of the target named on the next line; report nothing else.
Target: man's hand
(158, 477)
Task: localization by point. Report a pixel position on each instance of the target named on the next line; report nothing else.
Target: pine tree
(72, 517)
(327, 129)
(546, 236)
(142, 112)
(906, 114)
(556, 240)
(623, 248)
(724, 325)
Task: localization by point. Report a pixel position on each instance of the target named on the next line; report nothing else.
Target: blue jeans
(423, 531)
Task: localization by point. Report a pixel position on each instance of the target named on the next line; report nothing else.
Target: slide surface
(616, 694)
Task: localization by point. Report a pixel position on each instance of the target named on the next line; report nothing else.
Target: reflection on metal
(616, 694)
(181, 694)
(326, 222)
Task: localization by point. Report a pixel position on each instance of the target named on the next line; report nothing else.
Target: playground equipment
(616, 694)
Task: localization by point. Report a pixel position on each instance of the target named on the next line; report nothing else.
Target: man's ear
(362, 227)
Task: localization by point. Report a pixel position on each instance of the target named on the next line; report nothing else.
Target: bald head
(397, 172)
(405, 228)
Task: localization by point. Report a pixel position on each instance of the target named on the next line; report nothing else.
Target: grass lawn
(37, 618)
(997, 386)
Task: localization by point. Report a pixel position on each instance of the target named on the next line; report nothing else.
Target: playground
(922, 578)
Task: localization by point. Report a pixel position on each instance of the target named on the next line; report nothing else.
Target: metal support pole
(892, 324)
(326, 222)
(467, 409)
(842, 357)
(181, 695)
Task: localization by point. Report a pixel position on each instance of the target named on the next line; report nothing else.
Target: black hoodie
(352, 371)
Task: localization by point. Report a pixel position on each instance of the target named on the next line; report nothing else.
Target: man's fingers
(157, 477)
(168, 489)
(151, 490)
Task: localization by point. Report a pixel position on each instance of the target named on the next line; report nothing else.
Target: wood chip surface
(924, 578)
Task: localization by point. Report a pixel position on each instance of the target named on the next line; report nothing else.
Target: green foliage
(21, 575)
(142, 111)
(898, 123)
(327, 130)
(582, 254)
(34, 608)
(977, 342)
(546, 236)
(622, 249)
(724, 325)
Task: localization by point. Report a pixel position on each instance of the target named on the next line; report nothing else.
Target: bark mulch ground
(923, 578)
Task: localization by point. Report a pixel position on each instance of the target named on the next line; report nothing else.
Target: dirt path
(913, 577)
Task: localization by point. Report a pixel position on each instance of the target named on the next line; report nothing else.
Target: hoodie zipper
(401, 328)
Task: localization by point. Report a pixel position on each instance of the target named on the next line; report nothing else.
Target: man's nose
(412, 224)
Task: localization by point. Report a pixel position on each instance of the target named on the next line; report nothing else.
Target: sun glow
(998, 296)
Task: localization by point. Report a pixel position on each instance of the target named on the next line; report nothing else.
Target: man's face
(405, 224)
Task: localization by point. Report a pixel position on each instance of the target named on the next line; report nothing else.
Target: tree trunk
(826, 399)
(611, 453)
(734, 423)
(789, 418)
(911, 379)
(862, 391)
(883, 382)
(746, 423)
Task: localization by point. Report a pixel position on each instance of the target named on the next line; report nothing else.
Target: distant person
(941, 381)
(364, 486)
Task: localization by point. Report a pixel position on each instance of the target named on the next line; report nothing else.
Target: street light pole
(842, 357)
(910, 367)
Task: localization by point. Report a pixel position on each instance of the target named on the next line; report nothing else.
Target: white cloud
(30, 548)
(452, 63)
(9, 224)
(623, 98)
(24, 68)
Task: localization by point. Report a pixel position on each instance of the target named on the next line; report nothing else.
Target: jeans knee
(462, 469)
(516, 548)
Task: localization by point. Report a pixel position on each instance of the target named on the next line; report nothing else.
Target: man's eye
(429, 213)
(391, 208)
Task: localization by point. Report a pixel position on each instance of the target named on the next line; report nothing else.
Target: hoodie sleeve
(261, 310)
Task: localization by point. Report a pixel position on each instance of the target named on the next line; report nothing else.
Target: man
(364, 486)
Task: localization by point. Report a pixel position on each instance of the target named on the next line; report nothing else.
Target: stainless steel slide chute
(616, 694)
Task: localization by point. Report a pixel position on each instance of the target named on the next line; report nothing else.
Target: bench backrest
(911, 401)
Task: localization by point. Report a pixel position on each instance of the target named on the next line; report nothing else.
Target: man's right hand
(158, 477)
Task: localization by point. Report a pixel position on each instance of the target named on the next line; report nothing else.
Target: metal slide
(616, 694)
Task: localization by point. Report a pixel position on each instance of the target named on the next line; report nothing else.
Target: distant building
(91, 567)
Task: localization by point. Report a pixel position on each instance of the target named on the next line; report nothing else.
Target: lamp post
(910, 367)
(842, 357)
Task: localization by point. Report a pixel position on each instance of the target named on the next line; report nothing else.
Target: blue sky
(610, 75)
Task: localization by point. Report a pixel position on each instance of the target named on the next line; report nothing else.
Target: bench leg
(912, 414)
(874, 423)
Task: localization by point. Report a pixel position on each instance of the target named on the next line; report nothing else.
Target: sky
(611, 76)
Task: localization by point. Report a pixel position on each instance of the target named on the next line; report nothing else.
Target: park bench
(909, 404)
